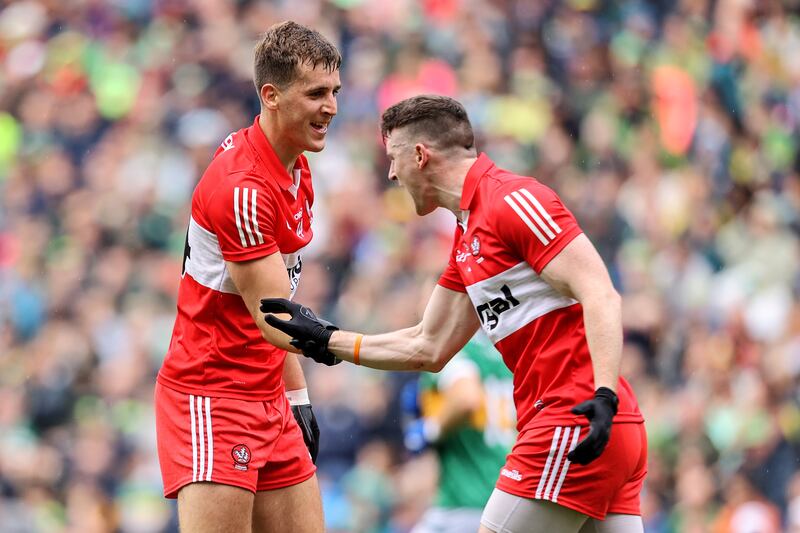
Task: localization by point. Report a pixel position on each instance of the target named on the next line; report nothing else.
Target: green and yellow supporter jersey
(472, 455)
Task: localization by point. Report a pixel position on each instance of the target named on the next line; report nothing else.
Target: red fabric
(266, 431)
(497, 259)
(246, 206)
(609, 484)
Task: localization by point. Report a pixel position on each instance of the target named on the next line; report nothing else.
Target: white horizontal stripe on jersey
(236, 215)
(205, 262)
(535, 299)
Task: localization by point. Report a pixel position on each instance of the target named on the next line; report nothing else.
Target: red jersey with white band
(246, 206)
(513, 227)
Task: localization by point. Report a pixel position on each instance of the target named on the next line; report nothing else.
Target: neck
(451, 184)
(286, 154)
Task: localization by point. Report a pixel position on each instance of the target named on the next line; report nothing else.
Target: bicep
(448, 322)
(578, 271)
(255, 279)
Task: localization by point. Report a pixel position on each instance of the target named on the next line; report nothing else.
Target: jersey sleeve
(242, 214)
(533, 221)
(451, 278)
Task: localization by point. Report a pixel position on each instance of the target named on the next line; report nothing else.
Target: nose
(392, 174)
(330, 106)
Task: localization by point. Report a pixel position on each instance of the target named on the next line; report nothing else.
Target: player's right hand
(600, 411)
(309, 334)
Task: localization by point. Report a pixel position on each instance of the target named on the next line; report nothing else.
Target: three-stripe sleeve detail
(533, 214)
(245, 211)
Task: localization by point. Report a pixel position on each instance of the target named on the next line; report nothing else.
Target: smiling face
(406, 168)
(304, 109)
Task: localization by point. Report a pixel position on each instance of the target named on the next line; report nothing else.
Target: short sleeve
(533, 221)
(451, 277)
(242, 214)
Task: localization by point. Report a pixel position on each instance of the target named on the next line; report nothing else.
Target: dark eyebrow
(318, 88)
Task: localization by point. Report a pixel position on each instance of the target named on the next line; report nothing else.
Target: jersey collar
(476, 171)
(269, 157)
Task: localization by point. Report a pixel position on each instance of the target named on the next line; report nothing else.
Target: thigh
(297, 508)
(507, 513)
(214, 508)
(289, 462)
(615, 523)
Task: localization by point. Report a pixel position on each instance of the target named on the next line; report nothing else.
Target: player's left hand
(600, 411)
(309, 334)
(305, 418)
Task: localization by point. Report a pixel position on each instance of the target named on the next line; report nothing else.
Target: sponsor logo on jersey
(490, 312)
(511, 474)
(533, 214)
(241, 456)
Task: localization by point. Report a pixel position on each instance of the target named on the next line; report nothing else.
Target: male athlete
(465, 413)
(228, 443)
(522, 269)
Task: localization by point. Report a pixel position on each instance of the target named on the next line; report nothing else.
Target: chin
(315, 146)
(423, 210)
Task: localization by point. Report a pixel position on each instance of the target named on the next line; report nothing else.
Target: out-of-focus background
(669, 127)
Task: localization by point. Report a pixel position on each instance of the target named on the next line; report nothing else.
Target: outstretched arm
(448, 322)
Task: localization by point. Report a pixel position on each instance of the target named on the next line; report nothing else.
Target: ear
(269, 96)
(421, 155)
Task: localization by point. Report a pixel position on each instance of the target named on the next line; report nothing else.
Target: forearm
(404, 349)
(603, 324)
(293, 375)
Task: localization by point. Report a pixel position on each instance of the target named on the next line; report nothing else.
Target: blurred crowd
(670, 127)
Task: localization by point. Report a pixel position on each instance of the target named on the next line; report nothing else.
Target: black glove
(309, 334)
(600, 410)
(308, 425)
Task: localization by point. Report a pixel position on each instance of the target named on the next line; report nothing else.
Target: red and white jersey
(246, 206)
(513, 227)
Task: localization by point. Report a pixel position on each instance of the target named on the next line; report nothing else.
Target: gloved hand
(304, 416)
(600, 411)
(309, 334)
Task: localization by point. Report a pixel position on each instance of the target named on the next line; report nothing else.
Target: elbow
(433, 362)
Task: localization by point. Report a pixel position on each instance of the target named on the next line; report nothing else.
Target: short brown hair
(287, 45)
(441, 119)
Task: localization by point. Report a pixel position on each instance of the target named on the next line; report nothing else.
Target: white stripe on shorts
(202, 438)
(557, 464)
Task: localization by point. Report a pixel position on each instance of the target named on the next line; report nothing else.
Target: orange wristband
(357, 349)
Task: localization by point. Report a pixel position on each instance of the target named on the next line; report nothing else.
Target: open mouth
(320, 127)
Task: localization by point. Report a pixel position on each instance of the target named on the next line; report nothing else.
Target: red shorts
(538, 468)
(253, 445)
